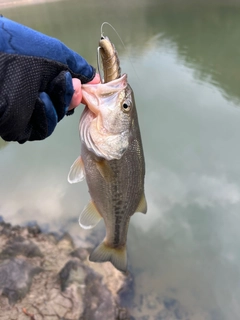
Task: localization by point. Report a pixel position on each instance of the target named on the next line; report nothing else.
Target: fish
(111, 160)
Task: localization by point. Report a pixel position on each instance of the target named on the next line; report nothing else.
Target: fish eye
(126, 106)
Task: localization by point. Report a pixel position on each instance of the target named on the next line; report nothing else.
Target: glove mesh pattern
(22, 78)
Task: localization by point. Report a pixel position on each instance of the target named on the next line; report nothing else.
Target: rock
(99, 302)
(80, 253)
(20, 246)
(170, 303)
(15, 278)
(73, 272)
(175, 306)
(151, 306)
(45, 277)
(123, 314)
(126, 293)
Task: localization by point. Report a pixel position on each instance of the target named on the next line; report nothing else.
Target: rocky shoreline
(43, 277)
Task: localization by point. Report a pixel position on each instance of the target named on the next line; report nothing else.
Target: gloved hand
(36, 85)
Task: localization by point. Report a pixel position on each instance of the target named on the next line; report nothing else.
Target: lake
(182, 59)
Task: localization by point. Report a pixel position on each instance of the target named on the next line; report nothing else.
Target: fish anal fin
(90, 216)
(142, 206)
(105, 170)
(117, 256)
(76, 173)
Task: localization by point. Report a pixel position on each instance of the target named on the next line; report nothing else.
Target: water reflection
(192, 187)
(206, 39)
(187, 246)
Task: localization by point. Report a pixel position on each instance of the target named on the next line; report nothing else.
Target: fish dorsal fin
(142, 206)
(90, 216)
(105, 170)
(76, 173)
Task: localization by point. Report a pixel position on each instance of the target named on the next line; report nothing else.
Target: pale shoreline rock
(42, 277)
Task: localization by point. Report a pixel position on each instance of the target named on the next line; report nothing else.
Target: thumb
(77, 95)
(95, 80)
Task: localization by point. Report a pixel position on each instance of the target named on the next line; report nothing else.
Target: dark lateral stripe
(117, 229)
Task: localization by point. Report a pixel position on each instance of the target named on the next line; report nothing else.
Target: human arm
(36, 82)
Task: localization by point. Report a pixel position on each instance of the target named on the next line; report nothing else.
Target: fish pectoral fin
(90, 216)
(105, 170)
(117, 256)
(142, 206)
(77, 172)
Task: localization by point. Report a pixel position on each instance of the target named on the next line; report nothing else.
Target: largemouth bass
(112, 159)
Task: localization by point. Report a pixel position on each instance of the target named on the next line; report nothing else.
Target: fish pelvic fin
(89, 217)
(77, 172)
(142, 206)
(117, 256)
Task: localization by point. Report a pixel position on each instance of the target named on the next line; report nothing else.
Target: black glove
(35, 81)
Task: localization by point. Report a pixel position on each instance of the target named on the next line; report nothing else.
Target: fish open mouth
(97, 95)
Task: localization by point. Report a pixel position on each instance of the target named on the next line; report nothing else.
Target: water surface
(183, 64)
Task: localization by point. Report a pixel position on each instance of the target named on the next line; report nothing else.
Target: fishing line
(102, 34)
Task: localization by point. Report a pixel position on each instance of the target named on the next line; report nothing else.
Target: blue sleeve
(36, 86)
(19, 39)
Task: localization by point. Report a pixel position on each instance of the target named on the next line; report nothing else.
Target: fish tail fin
(117, 256)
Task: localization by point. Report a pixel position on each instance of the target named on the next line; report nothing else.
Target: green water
(183, 64)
